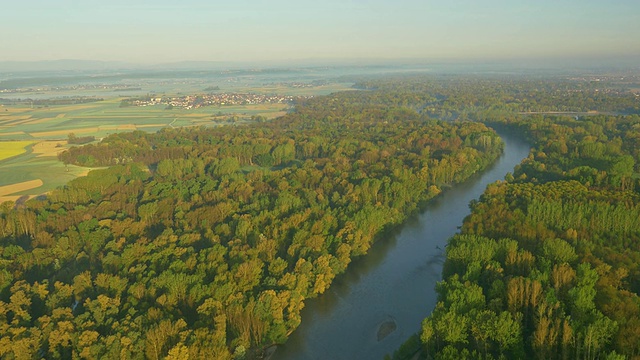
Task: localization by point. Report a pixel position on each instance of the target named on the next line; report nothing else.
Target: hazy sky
(248, 30)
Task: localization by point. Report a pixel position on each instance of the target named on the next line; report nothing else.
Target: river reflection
(395, 282)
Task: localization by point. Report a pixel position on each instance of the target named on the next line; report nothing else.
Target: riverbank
(395, 279)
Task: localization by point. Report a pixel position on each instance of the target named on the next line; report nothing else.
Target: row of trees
(206, 242)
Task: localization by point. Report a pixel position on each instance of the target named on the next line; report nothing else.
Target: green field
(31, 166)
(28, 167)
(106, 117)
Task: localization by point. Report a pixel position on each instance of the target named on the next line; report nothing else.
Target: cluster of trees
(206, 242)
(73, 139)
(547, 265)
(484, 98)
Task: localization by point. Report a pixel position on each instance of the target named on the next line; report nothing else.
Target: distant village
(198, 101)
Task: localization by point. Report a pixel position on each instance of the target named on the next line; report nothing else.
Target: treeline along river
(380, 301)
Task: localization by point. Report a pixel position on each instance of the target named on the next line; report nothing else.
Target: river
(395, 282)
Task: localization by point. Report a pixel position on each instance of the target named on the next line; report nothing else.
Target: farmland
(38, 114)
(105, 117)
(9, 149)
(31, 138)
(35, 171)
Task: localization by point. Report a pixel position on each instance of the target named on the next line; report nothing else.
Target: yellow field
(20, 122)
(14, 117)
(13, 148)
(13, 198)
(65, 108)
(10, 110)
(271, 115)
(150, 125)
(118, 127)
(6, 191)
(43, 120)
(23, 186)
(115, 116)
(49, 148)
(64, 132)
(196, 115)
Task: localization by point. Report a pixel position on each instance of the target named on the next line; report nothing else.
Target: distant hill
(95, 65)
(442, 65)
(63, 65)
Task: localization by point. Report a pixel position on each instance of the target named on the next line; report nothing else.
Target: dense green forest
(205, 242)
(547, 266)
